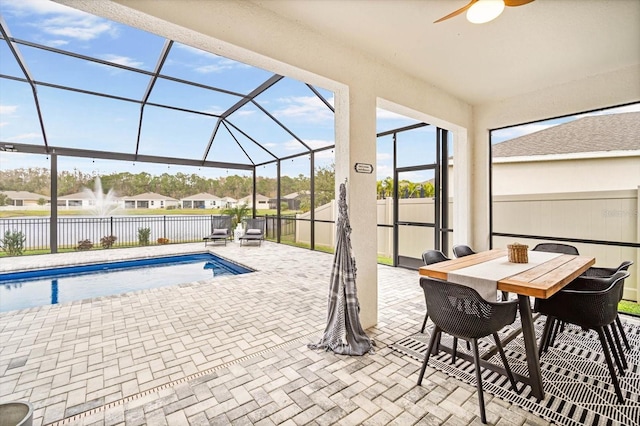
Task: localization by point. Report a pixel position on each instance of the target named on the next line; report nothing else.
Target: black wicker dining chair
(556, 248)
(430, 257)
(461, 250)
(461, 312)
(589, 309)
(602, 272)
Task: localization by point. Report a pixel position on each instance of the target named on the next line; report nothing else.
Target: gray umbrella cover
(344, 334)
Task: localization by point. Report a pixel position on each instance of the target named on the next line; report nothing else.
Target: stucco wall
(591, 174)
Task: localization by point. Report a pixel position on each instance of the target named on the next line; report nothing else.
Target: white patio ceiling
(536, 46)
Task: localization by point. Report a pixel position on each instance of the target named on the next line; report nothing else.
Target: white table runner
(484, 276)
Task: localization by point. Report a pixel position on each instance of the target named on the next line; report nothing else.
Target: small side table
(237, 233)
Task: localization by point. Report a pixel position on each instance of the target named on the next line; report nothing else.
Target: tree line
(181, 185)
(178, 185)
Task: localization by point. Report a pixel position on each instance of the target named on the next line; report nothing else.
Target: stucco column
(355, 121)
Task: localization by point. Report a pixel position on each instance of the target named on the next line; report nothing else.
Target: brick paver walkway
(231, 350)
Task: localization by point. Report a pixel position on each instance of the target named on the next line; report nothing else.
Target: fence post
(164, 226)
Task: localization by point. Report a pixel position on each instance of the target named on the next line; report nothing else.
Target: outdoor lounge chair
(220, 229)
(253, 230)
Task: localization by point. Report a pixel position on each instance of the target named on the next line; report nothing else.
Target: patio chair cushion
(254, 231)
(222, 231)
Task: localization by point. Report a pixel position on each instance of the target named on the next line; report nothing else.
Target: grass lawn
(129, 212)
(629, 307)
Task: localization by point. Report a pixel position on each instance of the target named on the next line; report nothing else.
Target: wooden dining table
(542, 281)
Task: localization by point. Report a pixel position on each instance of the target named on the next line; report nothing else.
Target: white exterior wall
(551, 176)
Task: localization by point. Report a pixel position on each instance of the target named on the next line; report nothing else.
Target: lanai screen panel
(263, 129)
(104, 86)
(77, 120)
(416, 147)
(300, 110)
(61, 70)
(206, 68)
(18, 114)
(172, 133)
(230, 144)
(180, 95)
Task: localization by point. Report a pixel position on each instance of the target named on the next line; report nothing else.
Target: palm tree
(237, 213)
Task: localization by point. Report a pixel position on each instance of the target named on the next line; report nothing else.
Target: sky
(512, 132)
(84, 121)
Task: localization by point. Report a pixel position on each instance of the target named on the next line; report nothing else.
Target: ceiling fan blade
(457, 12)
(514, 3)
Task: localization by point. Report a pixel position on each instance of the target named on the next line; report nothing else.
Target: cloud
(24, 136)
(383, 171)
(80, 28)
(3, 123)
(38, 7)
(620, 110)
(327, 154)
(214, 109)
(318, 143)
(8, 109)
(382, 156)
(304, 108)
(219, 63)
(122, 60)
(210, 69)
(57, 20)
(514, 132)
(57, 43)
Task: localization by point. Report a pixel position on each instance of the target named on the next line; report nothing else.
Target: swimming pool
(26, 289)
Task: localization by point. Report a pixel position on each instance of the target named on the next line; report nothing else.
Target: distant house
(149, 200)
(202, 200)
(292, 200)
(594, 153)
(262, 202)
(78, 200)
(228, 202)
(25, 198)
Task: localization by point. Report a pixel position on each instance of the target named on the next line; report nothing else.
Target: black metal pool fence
(127, 230)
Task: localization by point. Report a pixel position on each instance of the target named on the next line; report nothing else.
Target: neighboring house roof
(598, 133)
(149, 196)
(229, 199)
(259, 197)
(76, 196)
(201, 196)
(295, 195)
(24, 195)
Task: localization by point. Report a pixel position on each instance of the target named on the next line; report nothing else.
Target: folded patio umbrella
(344, 334)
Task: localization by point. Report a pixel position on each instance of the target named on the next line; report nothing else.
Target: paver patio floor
(230, 350)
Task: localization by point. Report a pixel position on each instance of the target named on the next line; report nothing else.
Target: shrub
(143, 236)
(108, 241)
(163, 241)
(84, 245)
(13, 242)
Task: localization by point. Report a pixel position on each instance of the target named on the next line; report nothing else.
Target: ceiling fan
(481, 11)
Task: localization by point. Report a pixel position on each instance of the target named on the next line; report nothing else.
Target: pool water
(20, 290)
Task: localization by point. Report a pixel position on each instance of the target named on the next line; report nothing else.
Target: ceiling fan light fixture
(484, 11)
